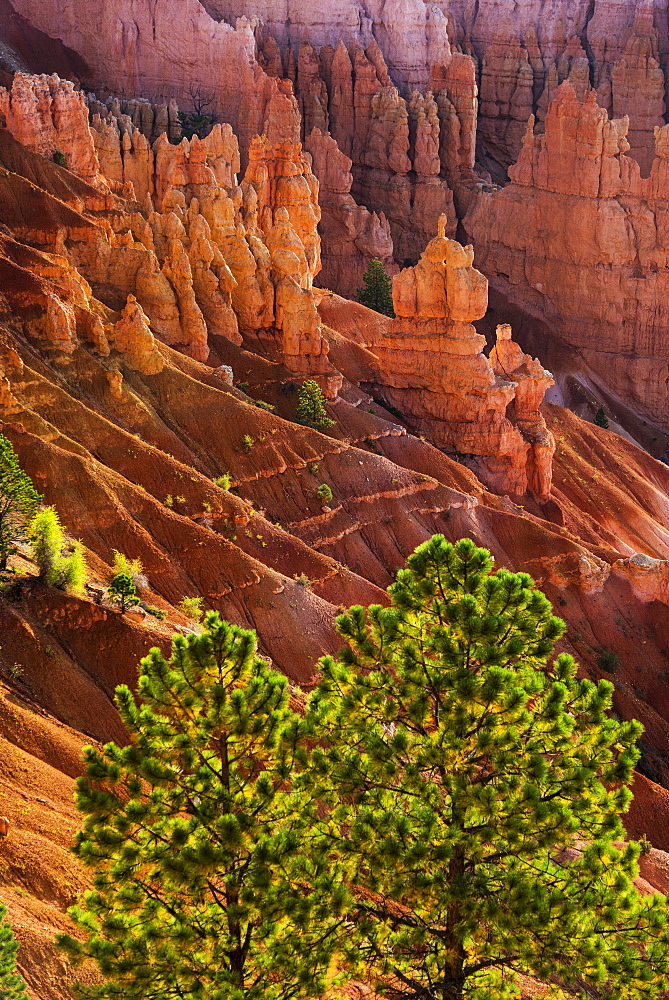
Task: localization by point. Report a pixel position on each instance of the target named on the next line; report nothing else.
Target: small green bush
(243, 387)
(609, 661)
(247, 443)
(158, 613)
(71, 570)
(645, 845)
(601, 419)
(324, 492)
(59, 158)
(265, 406)
(47, 538)
(191, 607)
(223, 481)
(133, 567)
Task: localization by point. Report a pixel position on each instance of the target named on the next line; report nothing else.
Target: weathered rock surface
(579, 237)
(432, 368)
(350, 234)
(48, 116)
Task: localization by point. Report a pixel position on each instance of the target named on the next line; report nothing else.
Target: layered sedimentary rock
(409, 155)
(432, 368)
(150, 119)
(132, 337)
(580, 238)
(526, 50)
(163, 51)
(351, 234)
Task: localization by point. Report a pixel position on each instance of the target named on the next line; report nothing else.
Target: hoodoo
(433, 369)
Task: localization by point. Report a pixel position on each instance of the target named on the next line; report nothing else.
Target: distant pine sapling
(311, 406)
(474, 787)
(377, 290)
(18, 501)
(601, 419)
(12, 985)
(191, 608)
(205, 883)
(122, 592)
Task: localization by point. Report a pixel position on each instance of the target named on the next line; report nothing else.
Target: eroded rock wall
(580, 238)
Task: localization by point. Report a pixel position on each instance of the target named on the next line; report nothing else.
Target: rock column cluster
(579, 238)
(433, 369)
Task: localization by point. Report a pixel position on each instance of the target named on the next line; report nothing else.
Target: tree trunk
(454, 970)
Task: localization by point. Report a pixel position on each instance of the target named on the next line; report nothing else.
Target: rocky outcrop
(649, 577)
(394, 145)
(132, 337)
(578, 237)
(531, 380)
(433, 370)
(48, 116)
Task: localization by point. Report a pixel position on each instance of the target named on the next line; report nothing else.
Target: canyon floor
(163, 299)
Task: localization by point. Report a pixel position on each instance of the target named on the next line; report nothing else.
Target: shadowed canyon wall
(580, 238)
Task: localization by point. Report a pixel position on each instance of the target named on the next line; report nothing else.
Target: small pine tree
(133, 567)
(311, 406)
(377, 292)
(122, 592)
(12, 985)
(204, 881)
(191, 607)
(461, 764)
(601, 419)
(18, 501)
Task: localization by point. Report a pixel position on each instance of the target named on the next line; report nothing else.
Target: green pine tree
(205, 885)
(18, 501)
(12, 986)
(311, 406)
(123, 592)
(462, 767)
(600, 418)
(377, 290)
